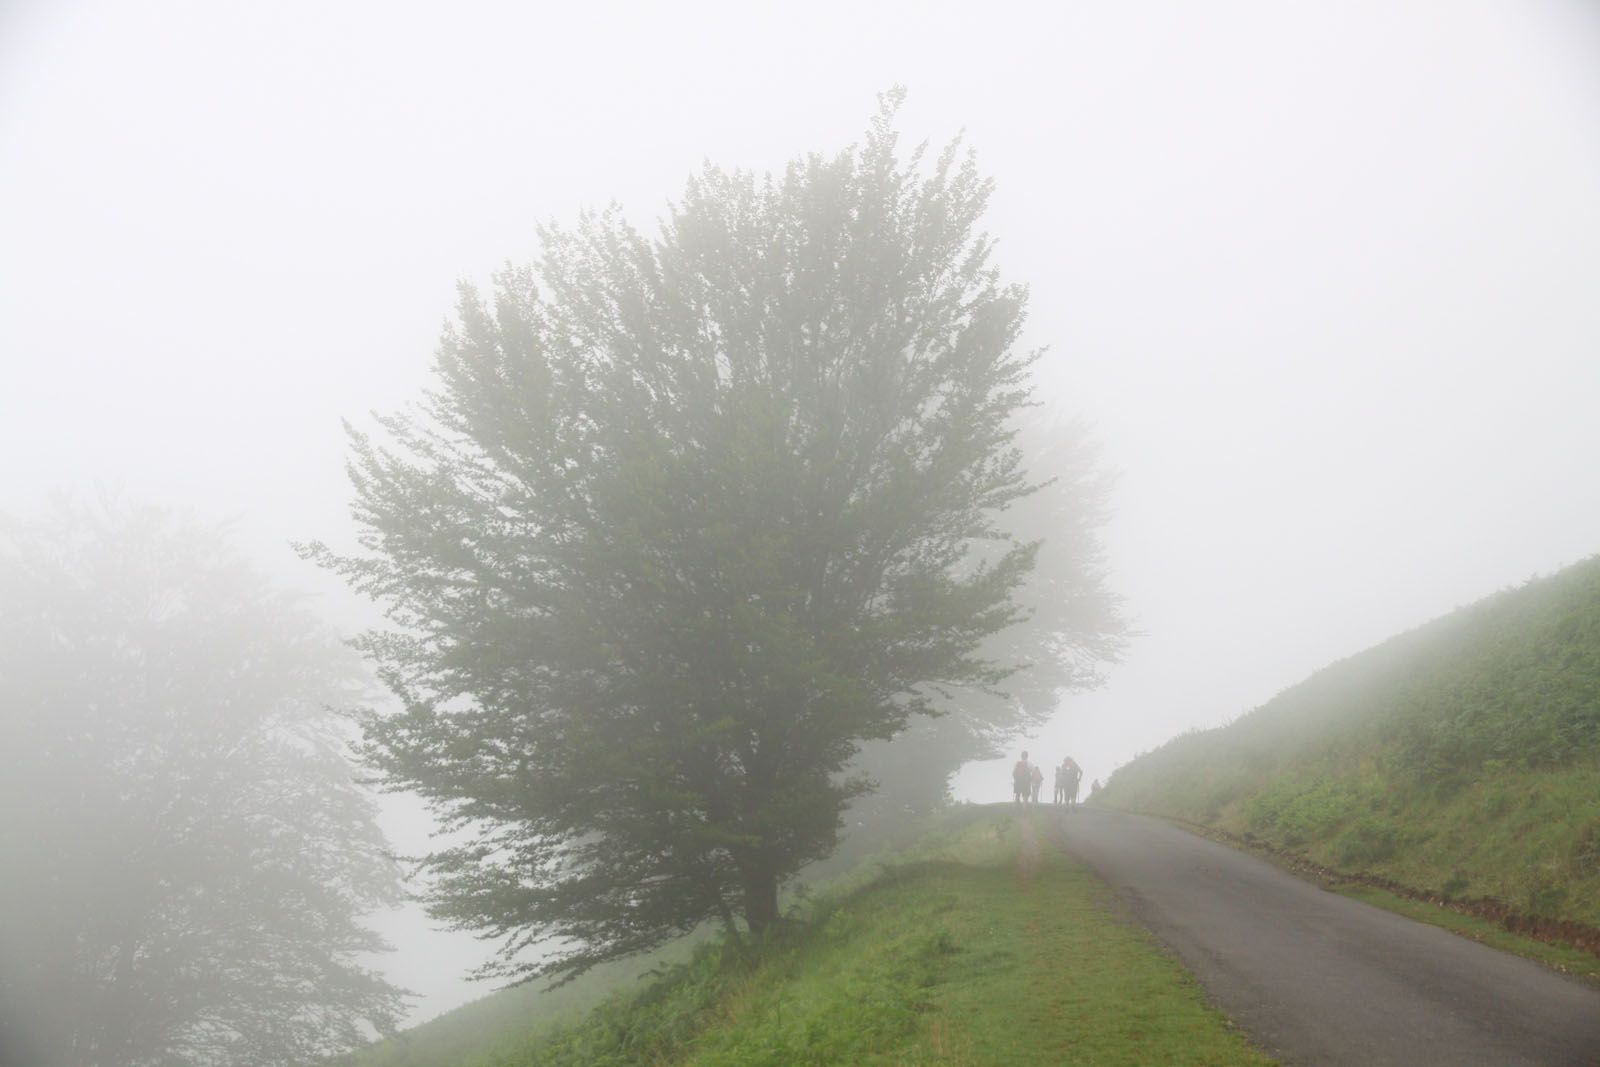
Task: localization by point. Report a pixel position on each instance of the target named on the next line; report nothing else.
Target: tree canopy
(687, 519)
(186, 855)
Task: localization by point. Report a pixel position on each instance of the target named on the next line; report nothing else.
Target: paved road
(1319, 979)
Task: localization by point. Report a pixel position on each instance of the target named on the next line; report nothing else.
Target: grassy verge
(985, 946)
(1529, 838)
(1569, 961)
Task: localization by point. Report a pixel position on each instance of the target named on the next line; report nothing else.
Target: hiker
(1073, 774)
(1066, 782)
(1036, 779)
(1094, 787)
(1021, 776)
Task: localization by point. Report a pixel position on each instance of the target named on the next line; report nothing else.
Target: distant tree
(687, 520)
(184, 855)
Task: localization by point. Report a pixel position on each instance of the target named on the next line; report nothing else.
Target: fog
(1321, 278)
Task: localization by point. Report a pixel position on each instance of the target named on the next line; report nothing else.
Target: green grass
(986, 945)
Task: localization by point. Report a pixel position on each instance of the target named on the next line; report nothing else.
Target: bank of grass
(985, 946)
(1527, 837)
(1461, 758)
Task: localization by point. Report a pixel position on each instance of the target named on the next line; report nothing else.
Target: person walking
(1021, 778)
(1072, 775)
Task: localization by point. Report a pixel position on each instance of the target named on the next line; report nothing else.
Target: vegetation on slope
(1462, 757)
(984, 945)
(512, 1017)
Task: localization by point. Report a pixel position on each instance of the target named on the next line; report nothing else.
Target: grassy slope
(984, 945)
(508, 1017)
(1463, 756)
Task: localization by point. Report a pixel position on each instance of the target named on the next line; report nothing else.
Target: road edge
(1575, 961)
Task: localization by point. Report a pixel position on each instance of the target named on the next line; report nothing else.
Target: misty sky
(1322, 276)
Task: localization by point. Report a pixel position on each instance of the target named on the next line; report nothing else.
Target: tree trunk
(760, 896)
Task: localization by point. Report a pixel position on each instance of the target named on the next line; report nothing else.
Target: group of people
(1027, 779)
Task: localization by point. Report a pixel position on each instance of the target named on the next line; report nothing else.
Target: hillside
(1461, 757)
(982, 944)
(510, 1017)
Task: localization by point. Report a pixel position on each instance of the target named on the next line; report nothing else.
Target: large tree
(687, 519)
(185, 854)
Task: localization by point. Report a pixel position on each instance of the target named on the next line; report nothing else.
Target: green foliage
(1298, 811)
(1465, 752)
(1371, 840)
(185, 855)
(1586, 850)
(686, 521)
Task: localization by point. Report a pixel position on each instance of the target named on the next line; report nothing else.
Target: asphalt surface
(1319, 979)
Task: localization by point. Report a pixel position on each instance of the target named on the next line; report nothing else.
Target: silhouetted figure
(1066, 777)
(1069, 774)
(1021, 779)
(1035, 780)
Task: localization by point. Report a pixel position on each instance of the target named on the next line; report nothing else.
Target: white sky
(1322, 275)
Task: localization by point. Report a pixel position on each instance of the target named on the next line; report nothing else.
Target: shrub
(1305, 811)
(1546, 897)
(1497, 803)
(1586, 851)
(1371, 840)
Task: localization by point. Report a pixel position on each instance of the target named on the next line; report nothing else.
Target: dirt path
(1319, 979)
